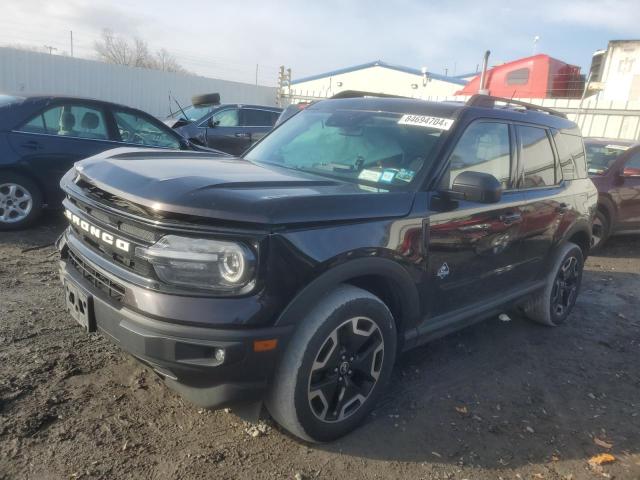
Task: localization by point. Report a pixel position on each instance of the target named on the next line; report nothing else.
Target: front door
(475, 249)
(628, 194)
(224, 132)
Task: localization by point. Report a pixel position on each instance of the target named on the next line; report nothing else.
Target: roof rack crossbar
(489, 101)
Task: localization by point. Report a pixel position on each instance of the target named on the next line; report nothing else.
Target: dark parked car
(231, 128)
(356, 230)
(41, 138)
(614, 167)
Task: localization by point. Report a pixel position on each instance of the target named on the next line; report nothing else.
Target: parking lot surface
(502, 399)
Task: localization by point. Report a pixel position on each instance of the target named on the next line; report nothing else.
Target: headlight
(197, 263)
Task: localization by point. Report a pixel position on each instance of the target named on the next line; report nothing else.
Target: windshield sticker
(367, 188)
(424, 121)
(405, 175)
(370, 175)
(388, 175)
(618, 147)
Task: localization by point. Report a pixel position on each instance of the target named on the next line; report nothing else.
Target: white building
(376, 77)
(615, 72)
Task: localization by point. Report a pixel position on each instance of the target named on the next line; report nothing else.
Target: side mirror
(211, 123)
(477, 187)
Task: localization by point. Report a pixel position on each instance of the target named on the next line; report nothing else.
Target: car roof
(450, 109)
(25, 106)
(45, 97)
(392, 105)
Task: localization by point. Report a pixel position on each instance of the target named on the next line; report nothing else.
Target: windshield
(360, 146)
(193, 112)
(600, 157)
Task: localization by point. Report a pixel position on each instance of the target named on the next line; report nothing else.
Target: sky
(227, 39)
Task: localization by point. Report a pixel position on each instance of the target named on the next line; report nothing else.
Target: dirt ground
(508, 400)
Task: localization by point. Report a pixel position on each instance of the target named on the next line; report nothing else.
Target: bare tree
(118, 50)
(167, 62)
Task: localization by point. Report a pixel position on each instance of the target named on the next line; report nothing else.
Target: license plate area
(80, 306)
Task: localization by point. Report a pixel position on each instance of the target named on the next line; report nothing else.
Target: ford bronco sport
(359, 228)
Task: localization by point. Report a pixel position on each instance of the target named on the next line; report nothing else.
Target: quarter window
(69, 121)
(136, 129)
(571, 155)
(484, 147)
(537, 157)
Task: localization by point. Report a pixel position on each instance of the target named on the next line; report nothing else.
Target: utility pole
(256, 74)
(50, 48)
(71, 41)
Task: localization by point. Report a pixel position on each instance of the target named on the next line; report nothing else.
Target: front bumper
(183, 354)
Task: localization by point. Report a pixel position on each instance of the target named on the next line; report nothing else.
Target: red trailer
(539, 76)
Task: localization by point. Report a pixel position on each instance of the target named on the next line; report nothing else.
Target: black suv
(356, 230)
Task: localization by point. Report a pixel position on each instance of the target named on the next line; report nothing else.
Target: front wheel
(336, 365)
(600, 231)
(20, 201)
(552, 305)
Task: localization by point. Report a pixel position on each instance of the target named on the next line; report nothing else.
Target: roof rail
(361, 94)
(489, 101)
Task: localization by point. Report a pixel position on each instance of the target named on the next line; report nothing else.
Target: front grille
(111, 288)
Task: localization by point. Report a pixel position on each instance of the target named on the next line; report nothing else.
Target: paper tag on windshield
(370, 175)
(617, 147)
(428, 122)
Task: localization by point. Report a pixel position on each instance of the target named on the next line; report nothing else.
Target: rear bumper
(184, 355)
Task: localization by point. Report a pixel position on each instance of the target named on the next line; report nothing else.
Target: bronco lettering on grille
(95, 232)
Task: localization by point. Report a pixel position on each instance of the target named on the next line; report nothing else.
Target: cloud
(228, 39)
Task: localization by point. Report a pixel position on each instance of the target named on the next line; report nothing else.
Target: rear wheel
(20, 201)
(336, 365)
(553, 305)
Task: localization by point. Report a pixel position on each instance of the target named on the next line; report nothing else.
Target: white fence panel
(28, 73)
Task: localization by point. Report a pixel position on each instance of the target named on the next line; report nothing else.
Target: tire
(20, 201)
(206, 99)
(601, 229)
(563, 284)
(313, 350)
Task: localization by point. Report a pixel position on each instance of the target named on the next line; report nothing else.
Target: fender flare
(383, 267)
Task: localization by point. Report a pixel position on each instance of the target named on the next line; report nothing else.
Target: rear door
(257, 122)
(548, 200)
(475, 249)
(57, 137)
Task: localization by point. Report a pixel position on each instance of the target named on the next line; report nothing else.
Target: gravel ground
(508, 400)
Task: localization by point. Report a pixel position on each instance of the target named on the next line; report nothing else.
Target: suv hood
(233, 189)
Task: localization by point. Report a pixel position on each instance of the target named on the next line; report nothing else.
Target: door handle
(32, 145)
(509, 218)
(563, 208)
(243, 135)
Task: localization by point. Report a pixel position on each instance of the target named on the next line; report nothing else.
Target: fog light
(219, 355)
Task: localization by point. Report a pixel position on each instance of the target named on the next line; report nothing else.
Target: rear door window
(536, 156)
(483, 147)
(76, 121)
(257, 118)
